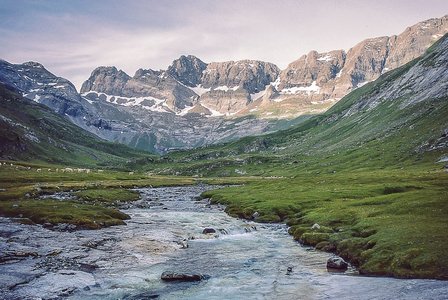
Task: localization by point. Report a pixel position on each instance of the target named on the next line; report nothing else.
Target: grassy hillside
(351, 135)
(32, 132)
(369, 171)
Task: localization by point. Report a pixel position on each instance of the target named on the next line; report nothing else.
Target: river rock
(184, 244)
(17, 255)
(336, 263)
(64, 227)
(173, 276)
(255, 215)
(315, 227)
(223, 231)
(208, 230)
(145, 296)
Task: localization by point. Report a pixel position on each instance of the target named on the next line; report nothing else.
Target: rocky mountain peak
(252, 75)
(33, 64)
(313, 67)
(230, 87)
(320, 79)
(142, 73)
(366, 60)
(187, 70)
(108, 80)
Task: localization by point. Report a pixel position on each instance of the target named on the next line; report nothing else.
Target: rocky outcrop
(208, 230)
(225, 102)
(318, 67)
(106, 80)
(414, 41)
(188, 70)
(38, 84)
(173, 276)
(156, 89)
(337, 263)
(251, 75)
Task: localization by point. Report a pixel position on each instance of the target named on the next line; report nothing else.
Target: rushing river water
(242, 260)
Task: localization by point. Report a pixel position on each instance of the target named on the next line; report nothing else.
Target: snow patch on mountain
(313, 88)
(276, 83)
(255, 96)
(362, 84)
(225, 88)
(327, 57)
(200, 90)
(146, 102)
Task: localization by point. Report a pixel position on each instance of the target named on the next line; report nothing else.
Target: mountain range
(193, 103)
(396, 121)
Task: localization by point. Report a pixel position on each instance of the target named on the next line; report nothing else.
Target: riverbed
(240, 260)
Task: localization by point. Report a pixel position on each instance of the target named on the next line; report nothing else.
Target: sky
(71, 38)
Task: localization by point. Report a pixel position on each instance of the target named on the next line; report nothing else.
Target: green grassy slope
(32, 132)
(368, 175)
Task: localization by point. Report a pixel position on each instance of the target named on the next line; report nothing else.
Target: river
(242, 260)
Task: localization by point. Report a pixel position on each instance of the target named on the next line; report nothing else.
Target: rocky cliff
(215, 89)
(320, 79)
(150, 111)
(308, 85)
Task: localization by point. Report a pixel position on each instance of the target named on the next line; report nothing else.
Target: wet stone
(173, 276)
(337, 263)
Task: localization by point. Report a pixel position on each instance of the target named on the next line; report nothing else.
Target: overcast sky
(73, 37)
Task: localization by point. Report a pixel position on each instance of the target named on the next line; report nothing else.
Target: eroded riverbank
(242, 260)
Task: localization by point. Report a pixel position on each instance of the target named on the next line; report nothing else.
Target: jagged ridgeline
(367, 179)
(396, 121)
(194, 103)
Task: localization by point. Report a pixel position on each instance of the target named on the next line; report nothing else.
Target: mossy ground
(110, 196)
(97, 193)
(54, 212)
(385, 222)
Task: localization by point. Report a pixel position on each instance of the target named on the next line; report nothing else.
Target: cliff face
(310, 84)
(321, 77)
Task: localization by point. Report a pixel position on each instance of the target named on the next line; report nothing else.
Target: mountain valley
(194, 104)
(345, 151)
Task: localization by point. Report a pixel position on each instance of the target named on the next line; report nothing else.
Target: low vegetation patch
(108, 196)
(53, 212)
(96, 193)
(386, 222)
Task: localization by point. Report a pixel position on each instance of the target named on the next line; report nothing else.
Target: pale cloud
(71, 38)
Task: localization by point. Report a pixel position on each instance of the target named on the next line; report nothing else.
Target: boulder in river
(337, 263)
(173, 276)
(208, 230)
(184, 244)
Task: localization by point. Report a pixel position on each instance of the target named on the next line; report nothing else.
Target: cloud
(71, 38)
